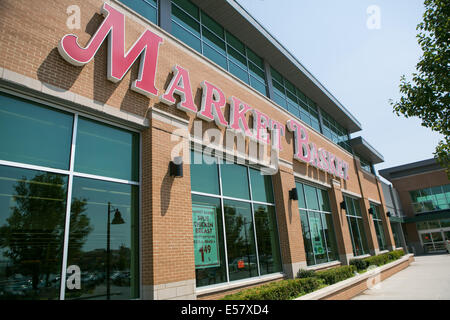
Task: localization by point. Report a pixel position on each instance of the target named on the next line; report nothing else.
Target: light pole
(116, 220)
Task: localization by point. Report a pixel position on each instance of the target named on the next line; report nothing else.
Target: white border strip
(350, 193)
(374, 201)
(308, 179)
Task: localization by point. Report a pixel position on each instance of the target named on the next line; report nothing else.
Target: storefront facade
(163, 150)
(423, 189)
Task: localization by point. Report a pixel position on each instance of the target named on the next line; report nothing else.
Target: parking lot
(427, 278)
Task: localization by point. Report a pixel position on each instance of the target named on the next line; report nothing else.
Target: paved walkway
(427, 278)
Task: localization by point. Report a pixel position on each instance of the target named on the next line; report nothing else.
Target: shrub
(308, 280)
(281, 290)
(360, 264)
(334, 275)
(377, 260)
(384, 258)
(397, 254)
(302, 273)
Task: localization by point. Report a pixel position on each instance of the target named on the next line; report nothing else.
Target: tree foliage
(427, 95)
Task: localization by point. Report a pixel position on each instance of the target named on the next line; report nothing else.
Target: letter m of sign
(119, 62)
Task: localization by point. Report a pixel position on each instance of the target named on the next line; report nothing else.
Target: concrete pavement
(427, 278)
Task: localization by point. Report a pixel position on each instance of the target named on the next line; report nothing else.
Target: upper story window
(292, 99)
(365, 164)
(199, 31)
(335, 132)
(431, 199)
(146, 8)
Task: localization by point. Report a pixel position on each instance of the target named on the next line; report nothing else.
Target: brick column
(341, 228)
(167, 245)
(288, 219)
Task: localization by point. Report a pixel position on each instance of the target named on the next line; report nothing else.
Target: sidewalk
(427, 278)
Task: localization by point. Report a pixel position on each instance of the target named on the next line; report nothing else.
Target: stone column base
(291, 269)
(181, 290)
(345, 258)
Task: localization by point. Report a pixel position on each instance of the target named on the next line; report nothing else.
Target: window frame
(356, 216)
(220, 159)
(303, 183)
(156, 7)
(378, 222)
(422, 194)
(70, 173)
(251, 76)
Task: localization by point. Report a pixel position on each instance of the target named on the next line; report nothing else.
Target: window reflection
(243, 250)
(431, 199)
(378, 223)
(317, 224)
(267, 239)
(242, 261)
(88, 240)
(356, 226)
(210, 266)
(32, 212)
(25, 127)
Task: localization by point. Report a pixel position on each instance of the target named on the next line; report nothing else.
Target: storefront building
(423, 190)
(170, 150)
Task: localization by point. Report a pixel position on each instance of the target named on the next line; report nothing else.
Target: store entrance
(434, 241)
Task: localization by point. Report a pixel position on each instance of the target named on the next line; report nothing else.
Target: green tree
(427, 95)
(33, 236)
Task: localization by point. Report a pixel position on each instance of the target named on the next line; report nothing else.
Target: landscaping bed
(308, 281)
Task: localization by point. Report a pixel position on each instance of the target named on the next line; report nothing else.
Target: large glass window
(379, 230)
(431, 199)
(32, 214)
(356, 226)
(235, 229)
(106, 151)
(146, 8)
(202, 33)
(209, 248)
(396, 233)
(241, 244)
(103, 239)
(292, 99)
(335, 132)
(34, 134)
(102, 245)
(317, 224)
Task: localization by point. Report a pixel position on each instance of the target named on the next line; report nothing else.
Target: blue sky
(361, 67)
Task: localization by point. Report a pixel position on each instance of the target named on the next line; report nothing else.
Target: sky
(357, 49)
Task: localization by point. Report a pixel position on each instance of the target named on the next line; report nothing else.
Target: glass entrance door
(446, 235)
(434, 241)
(438, 241)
